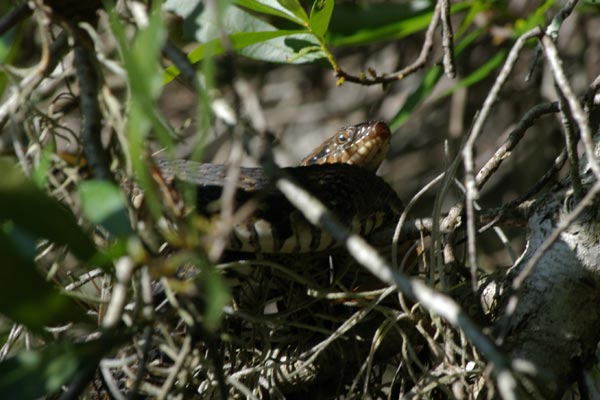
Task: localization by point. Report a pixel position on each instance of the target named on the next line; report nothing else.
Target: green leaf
(141, 60)
(238, 42)
(10, 49)
(320, 15)
(141, 55)
(291, 49)
(217, 296)
(40, 174)
(103, 204)
(25, 296)
(36, 373)
(295, 8)
(41, 216)
(380, 22)
(270, 7)
(252, 38)
(534, 19)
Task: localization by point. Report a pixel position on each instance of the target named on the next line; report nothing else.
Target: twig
(141, 370)
(467, 153)
(14, 16)
(180, 60)
(348, 324)
(552, 31)
(577, 112)
(539, 185)
(555, 24)
(515, 136)
(403, 73)
(26, 88)
(13, 336)
(447, 39)
(124, 268)
(590, 94)
(109, 381)
(444, 306)
(560, 228)
(186, 347)
(404, 214)
(570, 144)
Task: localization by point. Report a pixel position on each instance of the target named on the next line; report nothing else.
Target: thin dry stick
(26, 87)
(552, 31)
(403, 73)
(367, 256)
(545, 246)
(514, 137)
(183, 64)
(124, 268)
(348, 324)
(438, 303)
(570, 144)
(467, 153)
(590, 94)
(404, 214)
(555, 24)
(447, 40)
(564, 223)
(186, 347)
(15, 16)
(577, 112)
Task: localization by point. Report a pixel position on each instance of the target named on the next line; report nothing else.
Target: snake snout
(371, 145)
(364, 144)
(381, 130)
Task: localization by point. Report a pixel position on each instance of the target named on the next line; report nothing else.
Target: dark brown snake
(340, 173)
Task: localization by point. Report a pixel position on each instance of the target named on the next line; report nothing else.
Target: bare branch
(403, 73)
(15, 16)
(447, 40)
(467, 152)
(577, 112)
(438, 303)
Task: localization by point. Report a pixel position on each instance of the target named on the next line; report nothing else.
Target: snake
(340, 173)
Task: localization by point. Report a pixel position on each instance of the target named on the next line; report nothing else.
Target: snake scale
(340, 173)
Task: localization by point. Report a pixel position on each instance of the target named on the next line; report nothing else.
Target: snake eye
(342, 138)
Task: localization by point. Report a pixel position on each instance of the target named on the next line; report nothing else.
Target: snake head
(364, 144)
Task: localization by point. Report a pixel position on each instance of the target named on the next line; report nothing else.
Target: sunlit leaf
(35, 373)
(380, 22)
(295, 8)
(251, 37)
(534, 19)
(141, 60)
(270, 7)
(103, 204)
(238, 41)
(41, 216)
(320, 15)
(25, 296)
(217, 297)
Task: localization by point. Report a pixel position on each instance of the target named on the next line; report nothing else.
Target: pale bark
(555, 325)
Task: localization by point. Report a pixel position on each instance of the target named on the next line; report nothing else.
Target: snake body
(340, 173)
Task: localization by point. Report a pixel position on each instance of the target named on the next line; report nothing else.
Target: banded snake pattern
(340, 173)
